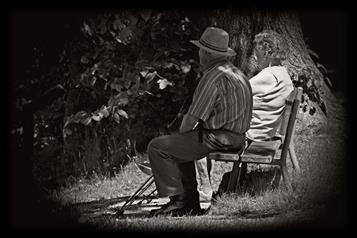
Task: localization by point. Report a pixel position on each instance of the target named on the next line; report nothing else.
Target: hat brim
(230, 52)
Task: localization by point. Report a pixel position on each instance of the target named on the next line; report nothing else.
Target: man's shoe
(167, 208)
(175, 210)
(180, 205)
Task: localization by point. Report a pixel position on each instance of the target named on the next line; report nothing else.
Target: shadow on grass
(109, 207)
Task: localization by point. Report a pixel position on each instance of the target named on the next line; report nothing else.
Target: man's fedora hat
(215, 40)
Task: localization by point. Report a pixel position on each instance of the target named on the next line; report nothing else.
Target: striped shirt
(223, 98)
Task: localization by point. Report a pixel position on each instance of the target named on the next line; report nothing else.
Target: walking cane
(145, 168)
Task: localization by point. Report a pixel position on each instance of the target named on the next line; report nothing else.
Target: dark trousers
(172, 158)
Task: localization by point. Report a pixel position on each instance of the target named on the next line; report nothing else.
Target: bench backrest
(287, 126)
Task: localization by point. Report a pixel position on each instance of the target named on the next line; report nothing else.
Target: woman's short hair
(272, 43)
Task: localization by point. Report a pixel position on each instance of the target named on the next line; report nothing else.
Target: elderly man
(222, 103)
(270, 88)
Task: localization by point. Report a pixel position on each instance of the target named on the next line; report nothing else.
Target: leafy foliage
(306, 79)
(136, 76)
(129, 77)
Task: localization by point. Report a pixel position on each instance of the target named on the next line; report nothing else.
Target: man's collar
(213, 63)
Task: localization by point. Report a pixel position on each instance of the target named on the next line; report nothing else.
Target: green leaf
(84, 59)
(323, 108)
(87, 29)
(104, 110)
(145, 14)
(150, 76)
(163, 83)
(309, 83)
(168, 65)
(116, 117)
(98, 51)
(144, 73)
(102, 28)
(124, 35)
(86, 121)
(123, 113)
(111, 101)
(185, 68)
(80, 116)
(120, 99)
(313, 53)
(123, 101)
(324, 70)
(97, 116)
(132, 76)
(69, 120)
(118, 24)
(328, 81)
(66, 132)
(94, 79)
(127, 83)
(116, 86)
(133, 20)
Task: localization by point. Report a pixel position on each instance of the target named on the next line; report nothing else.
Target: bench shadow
(108, 208)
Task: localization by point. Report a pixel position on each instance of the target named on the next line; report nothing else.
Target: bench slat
(256, 159)
(220, 156)
(265, 152)
(261, 152)
(262, 148)
(258, 152)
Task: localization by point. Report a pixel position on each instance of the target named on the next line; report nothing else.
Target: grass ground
(317, 199)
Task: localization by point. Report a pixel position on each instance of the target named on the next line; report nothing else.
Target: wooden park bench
(266, 152)
(257, 152)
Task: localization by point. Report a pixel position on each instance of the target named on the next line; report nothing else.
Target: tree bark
(243, 24)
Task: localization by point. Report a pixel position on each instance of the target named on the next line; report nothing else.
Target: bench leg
(233, 177)
(242, 171)
(209, 168)
(293, 157)
(286, 178)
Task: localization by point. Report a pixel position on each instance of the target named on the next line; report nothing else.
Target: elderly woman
(270, 88)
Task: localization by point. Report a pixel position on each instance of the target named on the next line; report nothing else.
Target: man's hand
(188, 123)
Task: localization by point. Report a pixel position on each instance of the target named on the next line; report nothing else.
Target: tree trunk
(242, 25)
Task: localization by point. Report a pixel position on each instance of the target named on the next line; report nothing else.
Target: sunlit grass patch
(270, 202)
(321, 156)
(320, 152)
(101, 187)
